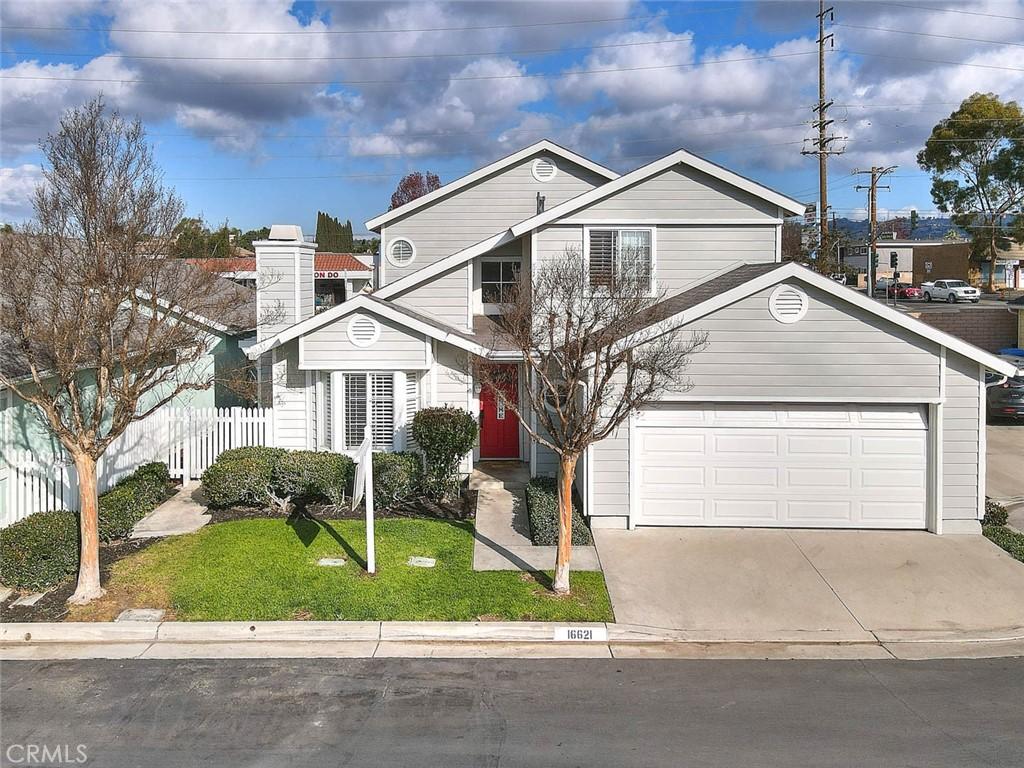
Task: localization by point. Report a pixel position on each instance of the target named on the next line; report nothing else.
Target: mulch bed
(462, 509)
(53, 605)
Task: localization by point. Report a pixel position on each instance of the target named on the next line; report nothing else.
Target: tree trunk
(88, 587)
(566, 473)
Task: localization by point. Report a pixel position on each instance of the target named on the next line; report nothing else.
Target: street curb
(373, 639)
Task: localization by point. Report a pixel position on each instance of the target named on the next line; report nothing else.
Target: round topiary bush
(444, 435)
(238, 481)
(995, 513)
(397, 477)
(121, 508)
(313, 476)
(39, 551)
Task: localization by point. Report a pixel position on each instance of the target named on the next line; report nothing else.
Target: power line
(682, 39)
(377, 30)
(928, 34)
(519, 76)
(952, 10)
(931, 61)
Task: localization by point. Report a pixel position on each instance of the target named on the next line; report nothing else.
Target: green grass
(1009, 540)
(267, 569)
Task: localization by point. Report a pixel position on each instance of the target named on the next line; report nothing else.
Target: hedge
(42, 549)
(248, 476)
(542, 510)
(397, 477)
(1007, 538)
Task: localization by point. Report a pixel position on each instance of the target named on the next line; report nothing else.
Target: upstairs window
(498, 280)
(621, 260)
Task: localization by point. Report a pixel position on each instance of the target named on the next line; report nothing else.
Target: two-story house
(813, 406)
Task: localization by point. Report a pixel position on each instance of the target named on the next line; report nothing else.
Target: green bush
(995, 513)
(397, 477)
(542, 509)
(238, 481)
(134, 497)
(445, 435)
(1006, 538)
(39, 551)
(253, 452)
(313, 476)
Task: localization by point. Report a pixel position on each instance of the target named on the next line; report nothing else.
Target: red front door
(499, 427)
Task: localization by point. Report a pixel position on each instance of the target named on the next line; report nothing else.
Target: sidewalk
(371, 639)
(502, 538)
(184, 512)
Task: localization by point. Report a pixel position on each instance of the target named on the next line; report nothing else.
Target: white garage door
(791, 466)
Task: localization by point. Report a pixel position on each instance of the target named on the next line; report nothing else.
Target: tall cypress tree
(331, 235)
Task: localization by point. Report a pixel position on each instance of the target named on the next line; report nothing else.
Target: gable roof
(544, 145)
(786, 203)
(369, 303)
(711, 295)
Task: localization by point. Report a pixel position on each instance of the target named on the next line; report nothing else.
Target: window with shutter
(602, 257)
(620, 258)
(325, 377)
(355, 409)
(382, 410)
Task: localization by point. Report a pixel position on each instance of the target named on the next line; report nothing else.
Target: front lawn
(267, 570)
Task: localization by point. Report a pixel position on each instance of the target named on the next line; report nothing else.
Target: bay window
(620, 259)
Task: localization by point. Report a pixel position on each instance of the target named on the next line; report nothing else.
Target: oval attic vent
(788, 304)
(544, 169)
(363, 330)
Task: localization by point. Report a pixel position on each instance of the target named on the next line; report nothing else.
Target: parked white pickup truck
(951, 291)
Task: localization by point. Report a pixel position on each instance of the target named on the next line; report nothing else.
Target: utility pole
(877, 172)
(820, 145)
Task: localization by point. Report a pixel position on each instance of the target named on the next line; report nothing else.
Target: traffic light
(874, 259)
(894, 259)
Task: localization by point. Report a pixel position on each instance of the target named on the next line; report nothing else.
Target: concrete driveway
(750, 584)
(1004, 469)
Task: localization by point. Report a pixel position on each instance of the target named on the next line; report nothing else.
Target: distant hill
(931, 228)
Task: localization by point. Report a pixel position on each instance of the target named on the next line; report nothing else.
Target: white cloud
(17, 186)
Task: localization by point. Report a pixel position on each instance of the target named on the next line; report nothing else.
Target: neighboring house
(1017, 307)
(813, 406)
(337, 276)
(917, 261)
(23, 428)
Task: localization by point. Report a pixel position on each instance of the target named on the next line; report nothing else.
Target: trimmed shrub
(39, 551)
(542, 509)
(238, 481)
(444, 435)
(397, 477)
(253, 453)
(995, 513)
(313, 476)
(134, 497)
(1007, 538)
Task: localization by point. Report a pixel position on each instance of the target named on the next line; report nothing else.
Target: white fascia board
(543, 145)
(787, 204)
(365, 304)
(443, 265)
(796, 272)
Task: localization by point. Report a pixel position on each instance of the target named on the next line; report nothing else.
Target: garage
(780, 465)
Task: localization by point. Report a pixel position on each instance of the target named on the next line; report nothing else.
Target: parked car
(951, 291)
(1005, 400)
(886, 285)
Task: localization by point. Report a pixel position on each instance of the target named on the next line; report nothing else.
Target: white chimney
(284, 279)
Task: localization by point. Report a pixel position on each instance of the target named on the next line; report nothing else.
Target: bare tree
(98, 328)
(597, 344)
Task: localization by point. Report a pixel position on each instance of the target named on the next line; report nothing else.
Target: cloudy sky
(264, 111)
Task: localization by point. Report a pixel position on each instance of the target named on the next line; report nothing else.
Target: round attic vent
(788, 304)
(363, 330)
(401, 252)
(544, 169)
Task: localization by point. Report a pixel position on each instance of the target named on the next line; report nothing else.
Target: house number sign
(501, 411)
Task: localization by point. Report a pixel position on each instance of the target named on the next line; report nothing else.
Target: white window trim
(623, 228)
(391, 245)
(542, 159)
(489, 308)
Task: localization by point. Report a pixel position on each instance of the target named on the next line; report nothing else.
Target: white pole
(371, 554)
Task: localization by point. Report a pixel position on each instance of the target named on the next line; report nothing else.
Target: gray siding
(610, 474)
(680, 193)
(960, 435)
(481, 210)
(329, 348)
(291, 419)
(445, 298)
(683, 254)
(452, 377)
(278, 269)
(836, 351)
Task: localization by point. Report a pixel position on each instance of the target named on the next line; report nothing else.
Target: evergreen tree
(331, 235)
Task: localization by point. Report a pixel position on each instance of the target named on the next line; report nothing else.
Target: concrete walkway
(850, 585)
(502, 529)
(184, 512)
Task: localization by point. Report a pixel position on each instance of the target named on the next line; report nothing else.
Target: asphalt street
(455, 713)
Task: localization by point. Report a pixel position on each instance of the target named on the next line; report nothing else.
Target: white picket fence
(188, 440)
